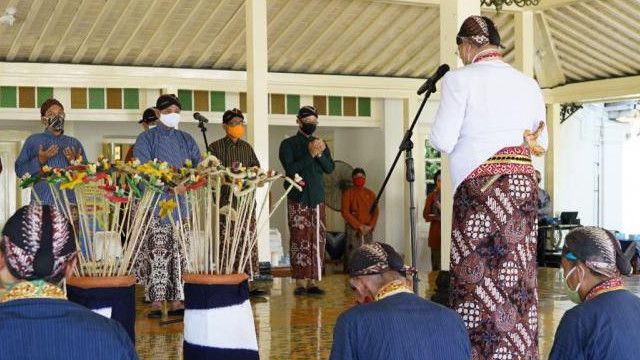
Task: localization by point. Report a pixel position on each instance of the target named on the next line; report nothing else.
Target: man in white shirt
(487, 107)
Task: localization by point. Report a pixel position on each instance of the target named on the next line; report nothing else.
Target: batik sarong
(307, 240)
(493, 257)
(161, 263)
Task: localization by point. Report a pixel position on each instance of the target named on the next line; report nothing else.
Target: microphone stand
(203, 128)
(407, 146)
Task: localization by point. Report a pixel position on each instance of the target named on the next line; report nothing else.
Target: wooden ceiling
(575, 41)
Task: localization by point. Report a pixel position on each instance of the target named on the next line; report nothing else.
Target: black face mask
(308, 129)
(57, 122)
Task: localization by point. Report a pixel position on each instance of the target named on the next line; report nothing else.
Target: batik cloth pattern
(493, 261)
(161, 263)
(307, 236)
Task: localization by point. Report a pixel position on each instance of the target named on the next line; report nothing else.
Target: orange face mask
(236, 131)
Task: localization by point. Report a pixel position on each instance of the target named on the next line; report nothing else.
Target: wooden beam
(156, 35)
(84, 5)
(112, 32)
(206, 53)
(146, 19)
(187, 25)
(422, 3)
(24, 25)
(548, 70)
(524, 47)
(82, 49)
(48, 29)
(180, 62)
(551, 178)
(597, 90)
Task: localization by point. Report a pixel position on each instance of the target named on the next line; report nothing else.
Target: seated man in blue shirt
(37, 250)
(391, 322)
(605, 325)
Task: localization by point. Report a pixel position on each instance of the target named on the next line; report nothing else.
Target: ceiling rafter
(145, 52)
(425, 39)
(105, 45)
(623, 41)
(240, 37)
(549, 69)
(36, 5)
(119, 59)
(55, 16)
(584, 38)
(82, 49)
(213, 15)
(84, 5)
(273, 43)
(206, 53)
(313, 48)
(315, 66)
(187, 24)
(282, 57)
(348, 54)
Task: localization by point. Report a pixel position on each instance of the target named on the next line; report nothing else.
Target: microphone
(430, 84)
(200, 118)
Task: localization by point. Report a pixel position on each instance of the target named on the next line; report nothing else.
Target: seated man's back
(52, 329)
(404, 327)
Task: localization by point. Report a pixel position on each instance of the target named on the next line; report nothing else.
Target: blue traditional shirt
(606, 327)
(171, 145)
(400, 327)
(27, 161)
(59, 329)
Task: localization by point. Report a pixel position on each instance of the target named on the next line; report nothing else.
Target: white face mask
(171, 120)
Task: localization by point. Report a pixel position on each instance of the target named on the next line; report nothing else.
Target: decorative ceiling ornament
(500, 3)
(566, 110)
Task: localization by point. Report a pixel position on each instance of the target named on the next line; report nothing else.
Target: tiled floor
(291, 327)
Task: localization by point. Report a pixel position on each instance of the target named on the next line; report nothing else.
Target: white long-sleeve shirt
(484, 107)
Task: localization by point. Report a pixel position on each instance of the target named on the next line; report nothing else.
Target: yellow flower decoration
(74, 182)
(166, 207)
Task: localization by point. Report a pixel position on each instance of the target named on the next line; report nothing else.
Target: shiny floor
(291, 327)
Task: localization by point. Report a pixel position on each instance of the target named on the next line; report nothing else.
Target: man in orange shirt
(356, 202)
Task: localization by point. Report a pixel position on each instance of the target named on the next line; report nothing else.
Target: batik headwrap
(479, 30)
(598, 249)
(376, 258)
(37, 242)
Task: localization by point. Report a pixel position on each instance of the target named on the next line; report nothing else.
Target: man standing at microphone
(489, 118)
(308, 157)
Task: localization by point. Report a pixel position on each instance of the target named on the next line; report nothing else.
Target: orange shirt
(356, 202)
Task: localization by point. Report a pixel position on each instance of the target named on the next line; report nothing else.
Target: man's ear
(71, 264)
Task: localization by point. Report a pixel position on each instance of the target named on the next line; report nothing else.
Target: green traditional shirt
(295, 159)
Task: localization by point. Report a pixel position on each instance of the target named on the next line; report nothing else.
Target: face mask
(359, 181)
(573, 294)
(236, 131)
(57, 122)
(171, 120)
(308, 129)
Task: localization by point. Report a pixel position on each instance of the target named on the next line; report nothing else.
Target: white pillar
(257, 103)
(394, 205)
(452, 14)
(524, 47)
(552, 155)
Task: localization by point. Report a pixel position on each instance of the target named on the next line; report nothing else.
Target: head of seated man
(390, 321)
(37, 251)
(605, 323)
